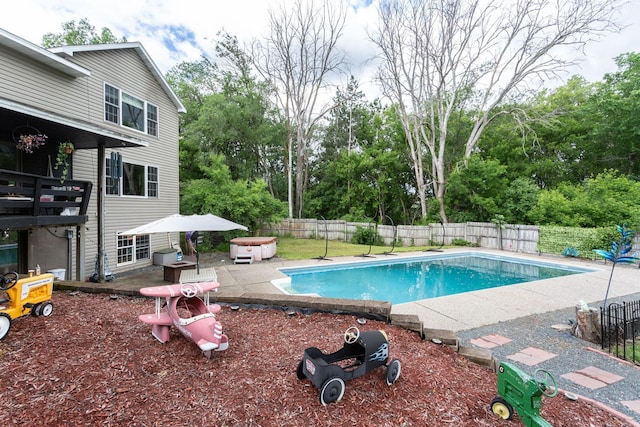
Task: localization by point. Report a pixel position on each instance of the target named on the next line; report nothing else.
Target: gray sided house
(113, 104)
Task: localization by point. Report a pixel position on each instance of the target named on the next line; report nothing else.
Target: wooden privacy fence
(514, 238)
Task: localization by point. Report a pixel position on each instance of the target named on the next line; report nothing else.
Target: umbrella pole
(197, 258)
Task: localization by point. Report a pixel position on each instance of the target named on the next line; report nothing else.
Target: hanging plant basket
(28, 138)
(65, 149)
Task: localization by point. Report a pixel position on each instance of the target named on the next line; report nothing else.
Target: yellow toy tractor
(29, 295)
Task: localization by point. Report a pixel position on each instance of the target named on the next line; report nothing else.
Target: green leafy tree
(229, 114)
(519, 200)
(81, 33)
(192, 82)
(245, 202)
(616, 106)
(361, 170)
(475, 193)
(555, 208)
(551, 147)
(600, 201)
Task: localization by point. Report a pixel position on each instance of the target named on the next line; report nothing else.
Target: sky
(173, 31)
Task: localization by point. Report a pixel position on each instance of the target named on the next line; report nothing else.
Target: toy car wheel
(5, 325)
(393, 371)
(35, 310)
(46, 309)
(502, 408)
(332, 391)
(299, 371)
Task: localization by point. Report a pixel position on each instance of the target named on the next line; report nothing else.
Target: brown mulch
(92, 362)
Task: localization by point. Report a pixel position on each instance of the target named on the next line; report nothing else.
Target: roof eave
(137, 46)
(41, 55)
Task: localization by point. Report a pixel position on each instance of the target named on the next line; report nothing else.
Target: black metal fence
(620, 325)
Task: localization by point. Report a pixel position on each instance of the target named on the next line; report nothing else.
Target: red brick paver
(490, 341)
(592, 377)
(531, 356)
(583, 380)
(599, 374)
(634, 405)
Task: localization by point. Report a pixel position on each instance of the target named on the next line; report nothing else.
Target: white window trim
(146, 103)
(133, 251)
(146, 167)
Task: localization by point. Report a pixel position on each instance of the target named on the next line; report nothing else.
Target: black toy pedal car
(368, 351)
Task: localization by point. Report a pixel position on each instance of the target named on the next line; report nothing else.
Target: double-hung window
(133, 248)
(127, 110)
(137, 180)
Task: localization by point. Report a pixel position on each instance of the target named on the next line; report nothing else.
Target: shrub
(461, 242)
(366, 236)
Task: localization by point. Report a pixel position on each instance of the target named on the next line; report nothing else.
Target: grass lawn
(292, 249)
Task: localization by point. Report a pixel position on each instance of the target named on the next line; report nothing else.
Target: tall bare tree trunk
(297, 57)
(442, 56)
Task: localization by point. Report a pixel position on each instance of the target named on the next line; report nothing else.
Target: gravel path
(572, 354)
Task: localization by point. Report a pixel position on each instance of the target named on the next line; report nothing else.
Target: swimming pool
(410, 279)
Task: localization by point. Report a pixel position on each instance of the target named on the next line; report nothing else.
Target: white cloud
(191, 27)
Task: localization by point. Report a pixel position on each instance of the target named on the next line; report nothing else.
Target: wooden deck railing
(28, 200)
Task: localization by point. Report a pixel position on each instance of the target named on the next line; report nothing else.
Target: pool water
(412, 279)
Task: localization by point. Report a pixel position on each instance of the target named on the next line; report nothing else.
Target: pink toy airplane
(192, 316)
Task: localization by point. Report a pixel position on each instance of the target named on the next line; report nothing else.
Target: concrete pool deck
(252, 284)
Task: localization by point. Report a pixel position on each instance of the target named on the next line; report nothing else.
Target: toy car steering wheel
(543, 378)
(8, 280)
(351, 335)
(188, 290)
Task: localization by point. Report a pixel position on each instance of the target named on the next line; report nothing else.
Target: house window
(129, 111)
(152, 181)
(143, 247)
(111, 104)
(113, 183)
(132, 112)
(152, 120)
(133, 180)
(133, 248)
(137, 180)
(125, 249)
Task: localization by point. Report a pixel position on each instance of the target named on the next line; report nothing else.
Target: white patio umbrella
(177, 223)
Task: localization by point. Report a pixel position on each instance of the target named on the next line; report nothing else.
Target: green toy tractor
(519, 391)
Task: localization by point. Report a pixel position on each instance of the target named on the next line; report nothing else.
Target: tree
(245, 202)
(229, 114)
(360, 170)
(603, 200)
(79, 34)
(616, 107)
(555, 143)
(439, 56)
(475, 194)
(297, 57)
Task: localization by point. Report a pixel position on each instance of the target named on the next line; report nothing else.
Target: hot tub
(260, 247)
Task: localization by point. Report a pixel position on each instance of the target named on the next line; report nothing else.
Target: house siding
(31, 83)
(28, 82)
(126, 71)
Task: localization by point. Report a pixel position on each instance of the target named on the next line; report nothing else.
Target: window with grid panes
(130, 111)
(125, 249)
(152, 181)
